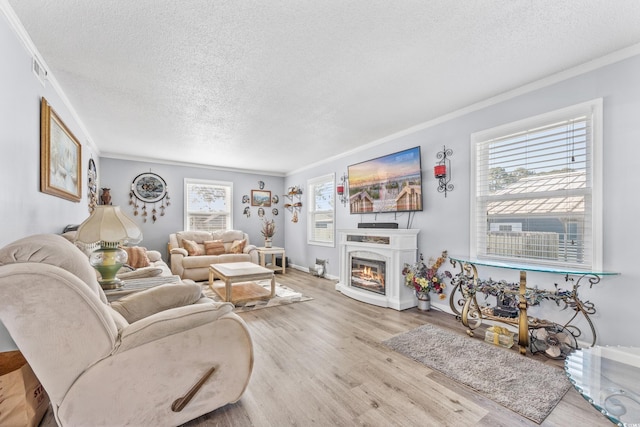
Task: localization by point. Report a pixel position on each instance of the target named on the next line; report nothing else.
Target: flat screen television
(391, 183)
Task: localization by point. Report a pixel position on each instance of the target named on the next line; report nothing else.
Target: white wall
(24, 210)
(444, 223)
(117, 174)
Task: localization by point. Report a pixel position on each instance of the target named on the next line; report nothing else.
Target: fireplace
(368, 274)
(371, 262)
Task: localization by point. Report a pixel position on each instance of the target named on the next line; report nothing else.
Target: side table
(273, 251)
(243, 275)
(609, 379)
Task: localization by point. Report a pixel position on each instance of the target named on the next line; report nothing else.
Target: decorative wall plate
(275, 199)
(149, 187)
(245, 199)
(274, 211)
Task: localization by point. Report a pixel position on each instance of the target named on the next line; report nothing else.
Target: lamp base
(110, 284)
(108, 262)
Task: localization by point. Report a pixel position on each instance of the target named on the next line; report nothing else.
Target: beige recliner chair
(159, 357)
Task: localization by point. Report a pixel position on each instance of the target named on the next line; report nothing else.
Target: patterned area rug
(517, 382)
(284, 295)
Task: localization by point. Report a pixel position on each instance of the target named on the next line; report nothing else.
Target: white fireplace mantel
(396, 246)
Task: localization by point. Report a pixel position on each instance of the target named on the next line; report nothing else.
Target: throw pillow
(214, 247)
(137, 256)
(237, 246)
(193, 249)
(141, 304)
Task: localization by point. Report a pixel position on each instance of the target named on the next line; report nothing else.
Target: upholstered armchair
(159, 357)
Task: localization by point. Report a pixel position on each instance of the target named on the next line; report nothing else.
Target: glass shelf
(609, 379)
(530, 267)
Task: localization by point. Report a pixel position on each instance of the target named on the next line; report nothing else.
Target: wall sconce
(342, 190)
(442, 171)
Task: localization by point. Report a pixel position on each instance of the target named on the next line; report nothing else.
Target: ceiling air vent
(39, 71)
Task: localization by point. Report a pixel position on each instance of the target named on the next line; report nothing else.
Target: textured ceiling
(277, 85)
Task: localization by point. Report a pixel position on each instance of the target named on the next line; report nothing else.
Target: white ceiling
(277, 85)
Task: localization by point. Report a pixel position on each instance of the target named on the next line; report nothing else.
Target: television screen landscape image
(391, 183)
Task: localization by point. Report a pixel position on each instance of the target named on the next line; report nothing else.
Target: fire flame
(368, 274)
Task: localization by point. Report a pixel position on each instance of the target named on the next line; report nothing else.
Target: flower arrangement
(268, 228)
(427, 279)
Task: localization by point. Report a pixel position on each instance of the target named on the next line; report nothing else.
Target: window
(538, 189)
(321, 204)
(208, 205)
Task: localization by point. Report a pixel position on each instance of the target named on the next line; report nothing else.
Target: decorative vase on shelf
(267, 242)
(424, 301)
(106, 196)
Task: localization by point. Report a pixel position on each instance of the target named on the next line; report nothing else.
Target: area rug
(517, 382)
(284, 295)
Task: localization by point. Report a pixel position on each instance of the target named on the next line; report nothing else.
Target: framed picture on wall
(261, 198)
(60, 156)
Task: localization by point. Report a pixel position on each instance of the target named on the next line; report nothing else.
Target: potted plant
(425, 279)
(268, 230)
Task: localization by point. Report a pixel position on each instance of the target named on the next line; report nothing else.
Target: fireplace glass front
(368, 274)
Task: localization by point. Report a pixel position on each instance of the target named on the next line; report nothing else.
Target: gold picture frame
(261, 198)
(60, 157)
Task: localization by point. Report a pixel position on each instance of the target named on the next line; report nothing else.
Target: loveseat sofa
(192, 252)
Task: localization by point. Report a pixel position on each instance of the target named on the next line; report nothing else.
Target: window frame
(328, 179)
(229, 188)
(594, 177)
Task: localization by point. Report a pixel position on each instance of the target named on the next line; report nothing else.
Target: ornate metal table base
(467, 284)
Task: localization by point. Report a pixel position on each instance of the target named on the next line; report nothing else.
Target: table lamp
(110, 228)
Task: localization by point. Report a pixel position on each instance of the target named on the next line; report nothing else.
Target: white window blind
(534, 190)
(208, 205)
(321, 191)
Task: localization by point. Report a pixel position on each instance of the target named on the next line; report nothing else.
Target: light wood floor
(321, 363)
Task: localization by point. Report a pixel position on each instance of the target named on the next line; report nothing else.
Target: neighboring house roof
(549, 201)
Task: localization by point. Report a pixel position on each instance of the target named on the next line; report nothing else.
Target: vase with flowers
(268, 230)
(425, 279)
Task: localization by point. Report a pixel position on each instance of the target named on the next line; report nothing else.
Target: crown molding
(118, 156)
(578, 70)
(31, 48)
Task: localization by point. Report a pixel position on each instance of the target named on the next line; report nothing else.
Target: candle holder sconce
(342, 190)
(442, 170)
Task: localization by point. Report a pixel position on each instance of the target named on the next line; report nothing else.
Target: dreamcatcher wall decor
(92, 185)
(149, 188)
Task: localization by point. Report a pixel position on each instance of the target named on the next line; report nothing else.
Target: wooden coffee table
(239, 281)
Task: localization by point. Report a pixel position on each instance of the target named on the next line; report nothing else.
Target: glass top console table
(609, 379)
(468, 284)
